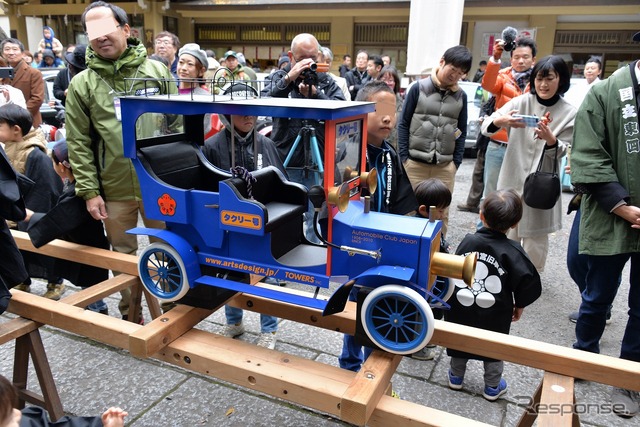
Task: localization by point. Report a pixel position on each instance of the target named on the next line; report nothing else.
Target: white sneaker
(268, 340)
(428, 352)
(233, 331)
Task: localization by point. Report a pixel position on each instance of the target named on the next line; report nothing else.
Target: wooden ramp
(358, 398)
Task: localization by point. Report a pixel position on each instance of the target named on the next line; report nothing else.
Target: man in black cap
(75, 64)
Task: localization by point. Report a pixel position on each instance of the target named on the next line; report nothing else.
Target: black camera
(6, 72)
(309, 76)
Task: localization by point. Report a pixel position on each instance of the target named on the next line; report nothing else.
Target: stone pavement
(91, 376)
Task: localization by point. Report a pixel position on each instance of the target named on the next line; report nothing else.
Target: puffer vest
(432, 132)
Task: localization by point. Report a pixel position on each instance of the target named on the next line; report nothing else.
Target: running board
(264, 292)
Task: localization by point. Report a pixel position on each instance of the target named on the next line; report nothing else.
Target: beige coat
(523, 154)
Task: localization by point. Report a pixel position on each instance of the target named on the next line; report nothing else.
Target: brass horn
(454, 266)
(339, 196)
(369, 180)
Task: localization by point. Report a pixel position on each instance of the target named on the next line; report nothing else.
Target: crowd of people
(416, 142)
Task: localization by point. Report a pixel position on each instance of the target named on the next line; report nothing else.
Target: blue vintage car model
(221, 228)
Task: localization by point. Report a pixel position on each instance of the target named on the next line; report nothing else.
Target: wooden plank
(540, 355)
(340, 322)
(99, 327)
(165, 329)
(16, 328)
(291, 378)
(557, 402)
(101, 290)
(401, 413)
(50, 394)
(369, 384)
(529, 416)
(111, 260)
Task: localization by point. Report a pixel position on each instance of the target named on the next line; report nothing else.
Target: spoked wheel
(443, 289)
(397, 319)
(163, 273)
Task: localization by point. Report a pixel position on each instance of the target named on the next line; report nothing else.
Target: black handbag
(542, 189)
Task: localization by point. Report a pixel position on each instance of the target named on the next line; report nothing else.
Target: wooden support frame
(553, 403)
(31, 345)
(356, 398)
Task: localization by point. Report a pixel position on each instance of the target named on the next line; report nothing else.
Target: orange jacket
(504, 87)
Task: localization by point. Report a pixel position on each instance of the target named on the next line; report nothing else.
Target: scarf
(522, 78)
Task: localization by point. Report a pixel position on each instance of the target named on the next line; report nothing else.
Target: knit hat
(241, 58)
(194, 50)
(282, 60)
(48, 53)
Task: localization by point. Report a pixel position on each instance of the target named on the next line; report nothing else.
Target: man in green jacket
(106, 179)
(605, 163)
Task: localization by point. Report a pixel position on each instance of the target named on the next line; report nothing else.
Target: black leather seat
(283, 203)
(181, 164)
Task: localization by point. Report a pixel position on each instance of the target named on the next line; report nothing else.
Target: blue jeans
(599, 294)
(576, 263)
(353, 356)
(98, 306)
(234, 316)
(492, 163)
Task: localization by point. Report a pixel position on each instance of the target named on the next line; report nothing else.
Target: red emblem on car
(167, 205)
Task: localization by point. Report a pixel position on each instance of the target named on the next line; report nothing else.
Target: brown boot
(54, 291)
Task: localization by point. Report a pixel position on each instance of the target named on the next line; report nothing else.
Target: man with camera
(301, 79)
(505, 84)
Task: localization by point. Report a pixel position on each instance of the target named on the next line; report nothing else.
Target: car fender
(188, 255)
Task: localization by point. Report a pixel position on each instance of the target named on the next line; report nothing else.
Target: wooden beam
(165, 329)
(536, 354)
(31, 345)
(558, 401)
(15, 328)
(340, 322)
(401, 413)
(547, 357)
(291, 378)
(110, 260)
(105, 329)
(369, 384)
(101, 290)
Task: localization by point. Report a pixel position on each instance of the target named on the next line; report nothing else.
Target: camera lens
(313, 66)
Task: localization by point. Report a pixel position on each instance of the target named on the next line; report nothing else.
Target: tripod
(312, 156)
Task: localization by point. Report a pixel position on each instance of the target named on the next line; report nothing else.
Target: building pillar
(545, 26)
(341, 40)
(434, 26)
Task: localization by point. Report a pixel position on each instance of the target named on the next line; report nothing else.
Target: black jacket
(394, 193)
(60, 84)
(357, 79)
(285, 130)
(217, 149)
(12, 268)
(504, 278)
(69, 220)
(35, 416)
(42, 197)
